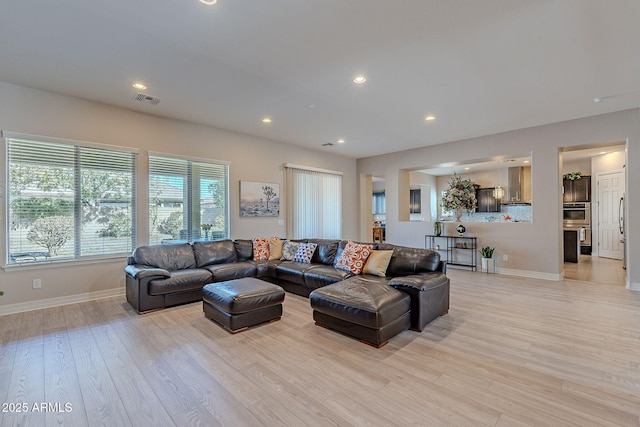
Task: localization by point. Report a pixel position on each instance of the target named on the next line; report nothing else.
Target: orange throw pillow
(260, 248)
(353, 257)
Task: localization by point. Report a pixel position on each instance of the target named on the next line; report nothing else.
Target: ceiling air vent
(327, 144)
(147, 99)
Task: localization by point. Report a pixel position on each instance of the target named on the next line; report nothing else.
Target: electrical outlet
(505, 257)
(37, 283)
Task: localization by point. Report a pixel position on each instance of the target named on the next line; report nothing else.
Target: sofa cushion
(305, 252)
(170, 257)
(354, 257)
(289, 250)
(406, 261)
(321, 275)
(377, 263)
(180, 280)
(235, 270)
(292, 271)
(244, 249)
(325, 252)
(217, 252)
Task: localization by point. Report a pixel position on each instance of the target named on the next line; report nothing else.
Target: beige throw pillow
(377, 263)
(275, 248)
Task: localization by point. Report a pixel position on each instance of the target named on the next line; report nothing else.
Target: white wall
(533, 249)
(37, 112)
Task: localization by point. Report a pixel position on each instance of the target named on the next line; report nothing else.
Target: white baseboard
(58, 301)
(530, 274)
(633, 286)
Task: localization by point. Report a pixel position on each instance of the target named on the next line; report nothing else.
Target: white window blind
(188, 200)
(314, 203)
(67, 200)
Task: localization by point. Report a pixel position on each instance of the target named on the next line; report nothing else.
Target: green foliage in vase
(487, 252)
(572, 176)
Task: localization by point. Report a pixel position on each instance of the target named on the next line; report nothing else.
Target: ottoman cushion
(242, 295)
(369, 302)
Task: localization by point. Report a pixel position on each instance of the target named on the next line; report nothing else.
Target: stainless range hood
(515, 190)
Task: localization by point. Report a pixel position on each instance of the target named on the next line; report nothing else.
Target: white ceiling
(481, 67)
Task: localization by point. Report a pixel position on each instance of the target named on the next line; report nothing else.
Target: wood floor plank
(511, 352)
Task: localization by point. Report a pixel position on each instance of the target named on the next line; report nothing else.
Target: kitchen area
(593, 210)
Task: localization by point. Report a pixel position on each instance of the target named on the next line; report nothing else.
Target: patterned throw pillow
(354, 257)
(260, 248)
(305, 252)
(275, 248)
(377, 263)
(289, 250)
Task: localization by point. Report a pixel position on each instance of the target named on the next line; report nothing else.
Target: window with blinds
(314, 203)
(67, 200)
(188, 200)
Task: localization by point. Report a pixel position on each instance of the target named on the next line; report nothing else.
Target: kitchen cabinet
(578, 190)
(486, 201)
(415, 202)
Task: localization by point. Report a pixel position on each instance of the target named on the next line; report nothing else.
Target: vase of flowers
(206, 228)
(460, 196)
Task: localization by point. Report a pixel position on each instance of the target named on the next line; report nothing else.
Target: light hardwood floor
(596, 269)
(511, 352)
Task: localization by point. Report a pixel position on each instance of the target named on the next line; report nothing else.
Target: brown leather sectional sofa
(160, 276)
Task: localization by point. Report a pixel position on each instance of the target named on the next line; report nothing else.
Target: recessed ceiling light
(602, 152)
(266, 120)
(139, 86)
(526, 161)
(209, 2)
(341, 141)
(430, 118)
(467, 168)
(359, 79)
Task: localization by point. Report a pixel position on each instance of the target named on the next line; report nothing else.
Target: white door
(610, 190)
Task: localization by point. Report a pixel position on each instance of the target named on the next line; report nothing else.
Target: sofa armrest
(139, 272)
(420, 282)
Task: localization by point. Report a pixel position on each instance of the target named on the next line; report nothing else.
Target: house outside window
(188, 199)
(68, 200)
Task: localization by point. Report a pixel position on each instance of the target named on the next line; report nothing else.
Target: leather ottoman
(367, 309)
(240, 303)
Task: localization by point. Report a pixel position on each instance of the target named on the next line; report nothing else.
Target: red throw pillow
(260, 248)
(353, 257)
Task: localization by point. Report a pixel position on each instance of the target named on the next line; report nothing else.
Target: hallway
(596, 269)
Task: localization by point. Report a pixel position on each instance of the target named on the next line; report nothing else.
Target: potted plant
(486, 252)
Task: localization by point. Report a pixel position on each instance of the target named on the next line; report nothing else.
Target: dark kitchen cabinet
(415, 202)
(578, 190)
(486, 201)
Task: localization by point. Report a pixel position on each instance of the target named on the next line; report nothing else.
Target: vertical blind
(188, 199)
(67, 200)
(314, 203)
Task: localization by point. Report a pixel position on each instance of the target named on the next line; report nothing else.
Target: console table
(455, 250)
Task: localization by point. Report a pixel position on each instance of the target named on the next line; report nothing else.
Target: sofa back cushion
(325, 251)
(170, 257)
(406, 261)
(218, 252)
(244, 249)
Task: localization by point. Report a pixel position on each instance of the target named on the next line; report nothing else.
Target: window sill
(61, 263)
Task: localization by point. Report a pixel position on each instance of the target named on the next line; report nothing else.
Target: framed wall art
(259, 199)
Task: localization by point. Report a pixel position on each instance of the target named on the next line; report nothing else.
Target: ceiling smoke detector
(146, 99)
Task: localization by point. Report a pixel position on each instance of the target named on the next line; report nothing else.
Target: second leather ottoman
(240, 303)
(364, 308)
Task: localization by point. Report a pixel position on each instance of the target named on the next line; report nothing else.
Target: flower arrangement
(461, 194)
(206, 227)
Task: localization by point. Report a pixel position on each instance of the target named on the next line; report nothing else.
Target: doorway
(604, 164)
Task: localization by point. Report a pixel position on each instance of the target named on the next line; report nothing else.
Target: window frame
(83, 151)
(195, 171)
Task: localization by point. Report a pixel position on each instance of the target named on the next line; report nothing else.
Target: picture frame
(259, 199)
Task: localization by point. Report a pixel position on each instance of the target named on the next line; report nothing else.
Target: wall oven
(577, 216)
